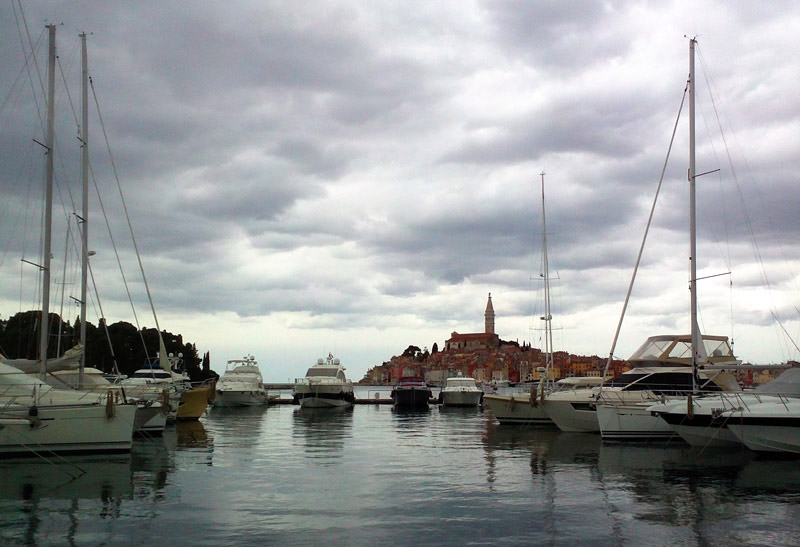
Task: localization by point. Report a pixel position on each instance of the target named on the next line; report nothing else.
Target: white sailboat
(525, 408)
(34, 417)
(715, 420)
(667, 367)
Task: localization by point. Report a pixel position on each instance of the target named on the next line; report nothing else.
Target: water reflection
(324, 431)
(151, 464)
(102, 477)
(96, 484)
(238, 427)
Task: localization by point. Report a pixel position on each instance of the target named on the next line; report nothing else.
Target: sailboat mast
(44, 328)
(696, 340)
(548, 331)
(85, 204)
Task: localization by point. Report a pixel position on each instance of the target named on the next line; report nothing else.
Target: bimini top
(672, 350)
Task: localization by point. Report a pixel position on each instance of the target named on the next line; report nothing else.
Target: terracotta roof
(455, 337)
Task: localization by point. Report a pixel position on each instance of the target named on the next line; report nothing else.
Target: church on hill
(478, 340)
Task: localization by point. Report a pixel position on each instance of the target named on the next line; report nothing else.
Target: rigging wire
(125, 208)
(646, 231)
(747, 221)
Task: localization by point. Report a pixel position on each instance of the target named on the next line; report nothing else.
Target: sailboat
(524, 408)
(668, 367)
(36, 418)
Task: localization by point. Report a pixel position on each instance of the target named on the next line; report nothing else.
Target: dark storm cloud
(327, 164)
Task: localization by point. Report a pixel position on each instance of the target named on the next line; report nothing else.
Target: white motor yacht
(241, 384)
(572, 405)
(460, 391)
(661, 372)
(324, 385)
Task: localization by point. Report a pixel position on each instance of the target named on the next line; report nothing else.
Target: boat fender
(689, 407)
(165, 402)
(33, 417)
(110, 410)
(511, 403)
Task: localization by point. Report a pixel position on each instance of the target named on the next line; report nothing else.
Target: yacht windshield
(330, 372)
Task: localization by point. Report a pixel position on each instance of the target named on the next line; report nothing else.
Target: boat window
(313, 371)
(623, 380)
(150, 375)
(665, 383)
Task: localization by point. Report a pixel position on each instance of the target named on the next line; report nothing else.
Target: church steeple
(488, 316)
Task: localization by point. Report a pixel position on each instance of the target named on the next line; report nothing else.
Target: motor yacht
(325, 385)
(662, 371)
(411, 392)
(460, 391)
(241, 384)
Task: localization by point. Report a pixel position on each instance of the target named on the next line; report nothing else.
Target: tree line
(119, 342)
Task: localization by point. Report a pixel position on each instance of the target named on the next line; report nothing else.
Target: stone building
(479, 340)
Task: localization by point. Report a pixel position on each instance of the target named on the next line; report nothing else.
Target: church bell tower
(488, 316)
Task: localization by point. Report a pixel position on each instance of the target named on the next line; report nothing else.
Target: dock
(371, 401)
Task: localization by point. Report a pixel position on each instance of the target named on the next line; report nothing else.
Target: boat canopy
(673, 349)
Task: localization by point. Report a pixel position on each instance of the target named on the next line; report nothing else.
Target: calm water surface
(376, 476)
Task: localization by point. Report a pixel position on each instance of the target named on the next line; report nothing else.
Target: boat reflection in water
(106, 477)
(190, 435)
(323, 431)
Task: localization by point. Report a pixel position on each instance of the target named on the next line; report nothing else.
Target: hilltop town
(489, 359)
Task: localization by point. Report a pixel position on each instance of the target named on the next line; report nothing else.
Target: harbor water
(373, 475)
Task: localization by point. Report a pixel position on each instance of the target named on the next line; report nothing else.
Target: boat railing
(83, 395)
(733, 402)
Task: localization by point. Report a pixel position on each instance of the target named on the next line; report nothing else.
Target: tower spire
(488, 317)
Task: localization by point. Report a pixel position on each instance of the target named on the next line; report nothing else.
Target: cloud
(361, 176)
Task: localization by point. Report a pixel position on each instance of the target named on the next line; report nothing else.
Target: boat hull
(632, 422)
(704, 428)
(67, 429)
(516, 409)
(230, 398)
(324, 396)
(461, 398)
(576, 415)
(194, 402)
(411, 397)
(772, 427)
(150, 420)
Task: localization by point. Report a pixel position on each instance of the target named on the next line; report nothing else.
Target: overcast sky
(356, 177)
